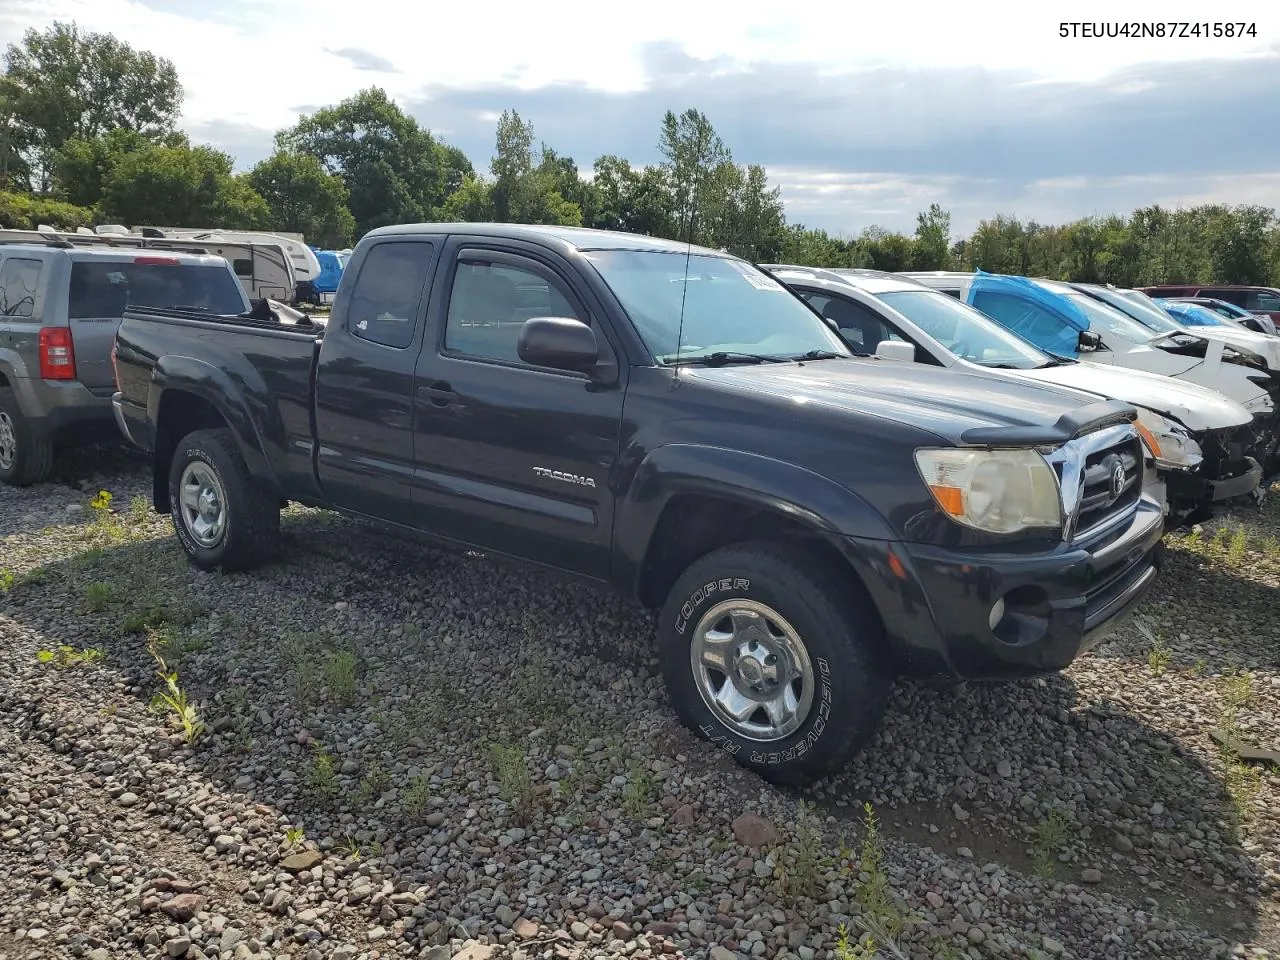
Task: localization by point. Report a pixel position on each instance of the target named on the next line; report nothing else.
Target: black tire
(32, 457)
(251, 519)
(839, 630)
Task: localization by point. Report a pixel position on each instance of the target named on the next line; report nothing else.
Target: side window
(491, 300)
(19, 281)
(388, 289)
(242, 267)
(1263, 302)
(1239, 297)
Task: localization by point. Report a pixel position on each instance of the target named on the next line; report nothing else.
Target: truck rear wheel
(26, 457)
(773, 658)
(222, 517)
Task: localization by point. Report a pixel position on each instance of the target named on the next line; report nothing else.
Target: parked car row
(819, 479)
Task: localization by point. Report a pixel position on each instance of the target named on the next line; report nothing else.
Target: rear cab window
(19, 284)
(101, 289)
(388, 291)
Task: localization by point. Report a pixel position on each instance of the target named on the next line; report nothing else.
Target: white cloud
(253, 61)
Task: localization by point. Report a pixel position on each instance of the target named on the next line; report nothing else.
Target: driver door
(508, 456)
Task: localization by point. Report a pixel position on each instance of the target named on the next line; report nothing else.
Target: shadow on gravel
(1244, 632)
(1023, 774)
(1028, 776)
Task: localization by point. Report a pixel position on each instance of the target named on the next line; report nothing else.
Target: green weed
(515, 785)
(65, 655)
(1049, 839)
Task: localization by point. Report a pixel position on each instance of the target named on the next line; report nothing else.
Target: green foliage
(394, 171)
(1049, 839)
(25, 211)
(181, 186)
(63, 83)
(515, 784)
(66, 655)
(173, 699)
(303, 198)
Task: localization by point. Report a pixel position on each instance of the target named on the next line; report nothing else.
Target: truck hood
(1197, 408)
(947, 403)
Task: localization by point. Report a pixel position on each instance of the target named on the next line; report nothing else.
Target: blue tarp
(1192, 314)
(1049, 320)
(330, 271)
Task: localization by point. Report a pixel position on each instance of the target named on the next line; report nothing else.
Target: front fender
(808, 498)
(231, 396)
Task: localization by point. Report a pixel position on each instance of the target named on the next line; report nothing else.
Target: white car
(1136, 304)
(1188, 430)
(1071, 324)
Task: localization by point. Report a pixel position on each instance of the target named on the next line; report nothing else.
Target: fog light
(997, 613)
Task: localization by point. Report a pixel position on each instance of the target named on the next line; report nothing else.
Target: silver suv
(59, 308)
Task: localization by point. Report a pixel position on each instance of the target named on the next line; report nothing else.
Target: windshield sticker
(757, 279)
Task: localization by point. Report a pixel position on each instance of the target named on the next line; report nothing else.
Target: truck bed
(269, 367)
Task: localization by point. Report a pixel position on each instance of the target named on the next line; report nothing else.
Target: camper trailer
(305, 265)
(263, 269)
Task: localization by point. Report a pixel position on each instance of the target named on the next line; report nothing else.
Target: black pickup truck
(673, 422)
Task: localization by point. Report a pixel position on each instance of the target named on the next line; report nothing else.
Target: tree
(636, 201)
(691, 151)
(62, 84)
(80, 167)
(394, 171)
(931, 249)
(305, 199)
(526, 183)
(470, 203)
(179, 187)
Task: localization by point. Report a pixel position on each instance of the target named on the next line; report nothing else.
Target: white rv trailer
(263, 269)
(305, 265)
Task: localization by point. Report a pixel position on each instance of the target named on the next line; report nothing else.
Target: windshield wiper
(721, 358)
(817, 355)
(1058, 360)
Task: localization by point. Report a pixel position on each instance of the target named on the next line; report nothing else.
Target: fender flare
(230, 396)
(810, 499)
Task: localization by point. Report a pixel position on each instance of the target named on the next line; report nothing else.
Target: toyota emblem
(1117, 479)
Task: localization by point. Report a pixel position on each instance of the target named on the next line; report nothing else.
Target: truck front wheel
(771, 656)
(222, 517)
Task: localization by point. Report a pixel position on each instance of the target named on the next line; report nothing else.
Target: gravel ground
(402, 752)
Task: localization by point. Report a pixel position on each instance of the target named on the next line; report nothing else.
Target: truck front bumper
(997, 614)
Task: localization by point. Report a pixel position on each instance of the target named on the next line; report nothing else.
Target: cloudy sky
(863, 116)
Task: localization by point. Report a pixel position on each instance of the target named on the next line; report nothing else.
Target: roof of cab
(565, 238)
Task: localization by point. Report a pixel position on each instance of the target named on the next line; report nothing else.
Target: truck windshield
(102, 288)
(964, 331)
(729, 307)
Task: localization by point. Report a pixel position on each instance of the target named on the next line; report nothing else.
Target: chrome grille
(1101, 480)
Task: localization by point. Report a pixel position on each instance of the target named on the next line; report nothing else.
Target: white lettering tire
(774, 658)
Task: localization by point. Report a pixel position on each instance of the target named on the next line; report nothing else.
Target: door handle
(438, 393)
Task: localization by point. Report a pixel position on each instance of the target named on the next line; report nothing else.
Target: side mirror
(562, 343)
(1089, 341)
(896, 350)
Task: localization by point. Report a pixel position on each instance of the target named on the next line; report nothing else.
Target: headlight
(999, 491)
(1168, 442)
